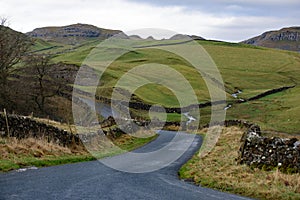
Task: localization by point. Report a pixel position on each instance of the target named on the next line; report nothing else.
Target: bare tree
(40, 75)
(13, 46)
(3, 21)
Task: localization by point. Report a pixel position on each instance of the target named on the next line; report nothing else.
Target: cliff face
(286, 39)
(72, 33)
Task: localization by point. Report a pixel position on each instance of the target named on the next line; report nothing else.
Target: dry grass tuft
(220, 170)
(31, 146)
(16, 153)
(172, 128)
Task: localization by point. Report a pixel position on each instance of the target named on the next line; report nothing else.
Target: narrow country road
(94, 180)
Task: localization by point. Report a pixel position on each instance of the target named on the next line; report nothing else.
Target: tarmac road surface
(94, 180)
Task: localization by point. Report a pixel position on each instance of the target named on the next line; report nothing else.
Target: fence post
(7, 125)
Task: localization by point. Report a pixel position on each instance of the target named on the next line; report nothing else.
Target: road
(94, 180)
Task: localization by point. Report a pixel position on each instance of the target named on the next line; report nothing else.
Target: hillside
(72, 34)
(286, 39)
(253, 70)
(250, 69)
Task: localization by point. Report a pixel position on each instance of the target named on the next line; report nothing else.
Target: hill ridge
(286, 39)
(73, 33)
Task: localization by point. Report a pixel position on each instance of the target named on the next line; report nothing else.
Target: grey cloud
(233, 20)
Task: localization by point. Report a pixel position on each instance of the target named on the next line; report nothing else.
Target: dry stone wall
(25, 127)
(268, 153)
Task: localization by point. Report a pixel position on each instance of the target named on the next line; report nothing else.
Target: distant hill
(181, 36)
(286, 39)
(196, 37)
(72, 34)
(80, 33)
(135, 37)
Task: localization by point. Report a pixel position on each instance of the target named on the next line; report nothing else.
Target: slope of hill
(251, 69)
(72, 34)
(286, 39)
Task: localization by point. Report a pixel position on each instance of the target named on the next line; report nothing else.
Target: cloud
(259, 2)
(224, 21)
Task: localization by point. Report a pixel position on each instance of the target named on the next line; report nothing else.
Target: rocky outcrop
(72, 33)
(286, 36)
(286, 39)
(268, 153)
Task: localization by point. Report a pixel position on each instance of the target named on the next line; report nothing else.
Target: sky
(227, 20)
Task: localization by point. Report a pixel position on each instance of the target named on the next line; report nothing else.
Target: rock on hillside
(286, 39)
(72, 34)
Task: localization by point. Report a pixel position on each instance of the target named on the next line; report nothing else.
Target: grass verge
(219, 170)
(16, 154)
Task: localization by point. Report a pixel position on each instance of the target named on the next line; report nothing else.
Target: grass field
(252, 70)
(277, 112)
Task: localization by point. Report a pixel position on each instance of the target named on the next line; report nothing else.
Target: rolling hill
(249, 69)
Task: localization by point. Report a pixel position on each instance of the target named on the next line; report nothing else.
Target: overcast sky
(229, 20)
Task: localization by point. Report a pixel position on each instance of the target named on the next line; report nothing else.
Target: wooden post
(7, 125)
(70, 127)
